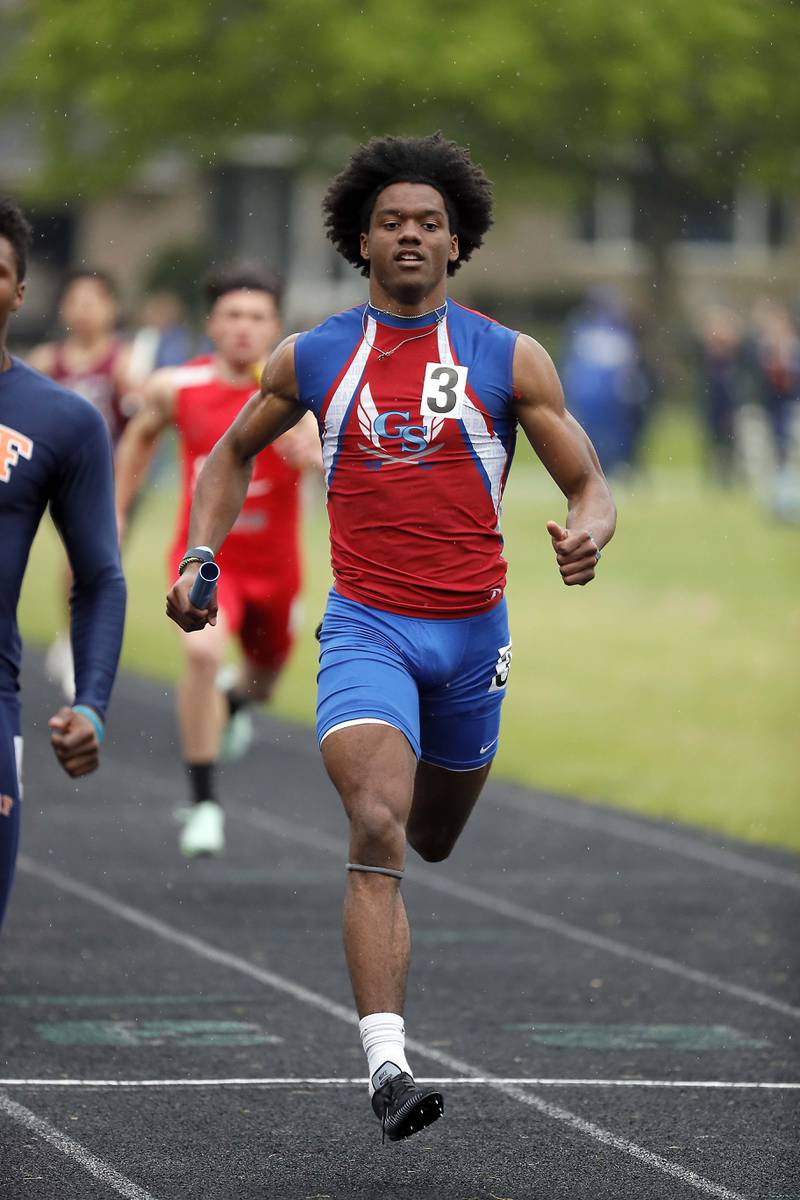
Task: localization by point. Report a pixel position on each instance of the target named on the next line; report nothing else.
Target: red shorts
(261, 610)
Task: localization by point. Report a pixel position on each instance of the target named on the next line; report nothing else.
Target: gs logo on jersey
(13, 446)
(402, 436)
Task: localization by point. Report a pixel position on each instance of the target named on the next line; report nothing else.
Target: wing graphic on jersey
(367, 416)
(433, 430)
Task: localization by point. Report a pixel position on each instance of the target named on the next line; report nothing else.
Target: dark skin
(72, 735)
(390, 799)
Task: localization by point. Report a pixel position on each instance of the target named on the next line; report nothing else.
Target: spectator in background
(606, 382)
(775, 360)
(776, 363)
(720, 349)
(92, 360)
(163, 337)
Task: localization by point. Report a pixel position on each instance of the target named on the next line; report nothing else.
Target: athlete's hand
(75, 743)
(576, 552)
(184, 613)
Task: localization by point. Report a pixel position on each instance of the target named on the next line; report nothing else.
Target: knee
(431, 847)
(203, 661)
(376, 833)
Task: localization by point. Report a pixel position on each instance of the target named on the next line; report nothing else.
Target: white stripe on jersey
(189, 376)
(487, 446)
(340, 402)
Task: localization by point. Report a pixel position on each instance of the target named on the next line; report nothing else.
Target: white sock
(383, 1037)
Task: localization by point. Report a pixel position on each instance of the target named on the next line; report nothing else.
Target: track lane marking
(451, 1081)
(90, 1162)
(507, 908)
(279, 983)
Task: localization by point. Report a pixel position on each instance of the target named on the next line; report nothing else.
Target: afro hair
(16, 229)
(445, 166)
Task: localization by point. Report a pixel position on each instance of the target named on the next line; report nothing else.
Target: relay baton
(204, 584)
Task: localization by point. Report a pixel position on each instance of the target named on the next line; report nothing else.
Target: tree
(670, 97)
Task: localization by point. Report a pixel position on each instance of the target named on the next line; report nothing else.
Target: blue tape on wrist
(93, 718)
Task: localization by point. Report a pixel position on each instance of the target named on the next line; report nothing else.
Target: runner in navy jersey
(54, 450)
(418, 401)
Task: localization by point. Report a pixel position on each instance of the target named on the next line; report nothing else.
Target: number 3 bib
(443, 391)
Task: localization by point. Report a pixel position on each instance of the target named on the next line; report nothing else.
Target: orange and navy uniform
(54, 451)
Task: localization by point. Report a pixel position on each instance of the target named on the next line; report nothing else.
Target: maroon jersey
(97, 384)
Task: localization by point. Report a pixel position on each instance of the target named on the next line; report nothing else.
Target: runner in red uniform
(260, 581)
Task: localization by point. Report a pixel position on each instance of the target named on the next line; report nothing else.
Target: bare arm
(138, 443)
(570, 457)
(222, 483)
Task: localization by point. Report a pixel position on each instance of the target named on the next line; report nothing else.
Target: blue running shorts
(10, 791)
(441, 682)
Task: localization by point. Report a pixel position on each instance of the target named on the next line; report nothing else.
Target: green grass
(669, 686)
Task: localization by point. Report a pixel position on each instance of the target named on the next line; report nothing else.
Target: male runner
(54, 449)
(91, 360)
(418, 400)
(261, 561)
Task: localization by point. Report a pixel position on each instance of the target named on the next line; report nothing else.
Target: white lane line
(90, 1162)
(288, 987)
(360, 1081)
(615, 825)
(528, 916)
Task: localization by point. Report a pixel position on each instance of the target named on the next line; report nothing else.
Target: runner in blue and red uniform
(54, 450)
(418, 401)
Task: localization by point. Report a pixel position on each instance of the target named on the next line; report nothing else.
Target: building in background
(172, 219)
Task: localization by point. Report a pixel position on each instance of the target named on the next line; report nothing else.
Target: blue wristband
(93, 719)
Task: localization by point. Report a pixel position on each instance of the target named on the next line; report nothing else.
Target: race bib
(443, 391)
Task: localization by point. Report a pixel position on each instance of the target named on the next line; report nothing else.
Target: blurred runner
(609, 385)
(418, 401)
(719, 346)
(91, 360)
(260, 585)
(54, 450)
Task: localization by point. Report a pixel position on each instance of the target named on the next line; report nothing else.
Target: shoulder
(341, 326)
(473, 334)
(535, 375)
(196, 373)
(477, 323)
(69, 417)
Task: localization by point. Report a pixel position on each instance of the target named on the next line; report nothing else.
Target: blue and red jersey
(418, 431)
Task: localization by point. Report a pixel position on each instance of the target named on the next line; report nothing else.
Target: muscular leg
(443, 801)
(372, 768)
(201, 708)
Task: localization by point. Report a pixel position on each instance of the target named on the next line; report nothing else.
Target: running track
(616, 1000)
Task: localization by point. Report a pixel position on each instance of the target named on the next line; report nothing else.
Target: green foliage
(584, 87)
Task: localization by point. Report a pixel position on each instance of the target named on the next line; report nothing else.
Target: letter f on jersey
(12, 446)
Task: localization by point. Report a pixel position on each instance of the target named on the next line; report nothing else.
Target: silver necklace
(382, 354)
